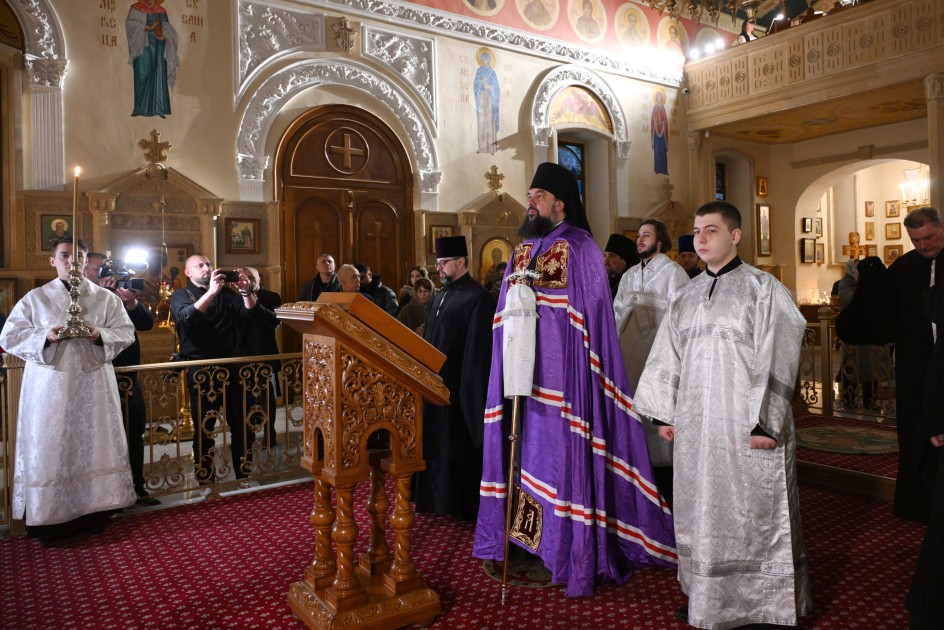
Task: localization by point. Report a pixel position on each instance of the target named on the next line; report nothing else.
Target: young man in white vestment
(640, 306)
(71, 470)
(719, 379)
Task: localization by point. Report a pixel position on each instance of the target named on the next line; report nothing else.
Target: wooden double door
(346, 189)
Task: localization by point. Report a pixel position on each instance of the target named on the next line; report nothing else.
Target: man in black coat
(926, 597)
(909, 277)
(259, 340)
(210, 319)
(136, 410)
(373, 287)
(324, 281)
(460, 326)
(618, 256)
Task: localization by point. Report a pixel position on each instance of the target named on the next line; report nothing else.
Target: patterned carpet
(228, 563)
(882, 465)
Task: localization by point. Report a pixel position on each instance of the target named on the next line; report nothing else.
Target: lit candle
(75, 204)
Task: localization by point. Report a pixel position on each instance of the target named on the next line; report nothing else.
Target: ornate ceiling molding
(269, 99)
(266, 32)
(483, 33)
(564, 76)
(410, 57)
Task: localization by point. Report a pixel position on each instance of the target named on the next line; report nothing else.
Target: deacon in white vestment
(641, 302)
(720, 378)
(71, 452)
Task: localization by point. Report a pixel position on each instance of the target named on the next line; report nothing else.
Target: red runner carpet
(228, 563)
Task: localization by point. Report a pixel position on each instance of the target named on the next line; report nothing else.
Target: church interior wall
(102, 137)
(802, 173)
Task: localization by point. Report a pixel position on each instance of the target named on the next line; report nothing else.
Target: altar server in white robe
(71, 453)
(719, 379)
(640, 305)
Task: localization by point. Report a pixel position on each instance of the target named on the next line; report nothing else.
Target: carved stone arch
(573, 74)
(44, 63)
(279, 88)
(605, 200)
(42, 33)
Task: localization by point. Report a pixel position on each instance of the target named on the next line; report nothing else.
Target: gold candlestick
(74, 326)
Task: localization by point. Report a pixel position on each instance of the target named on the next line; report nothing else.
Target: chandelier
(712, 8)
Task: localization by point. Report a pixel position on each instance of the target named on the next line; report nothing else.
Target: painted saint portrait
(494, 252)
(487, 93)
(485, 7)
(659, 130)
(55, 227)
(575, 104)
(632, 27)
(588, 19)
(539, 14)
(672, 37)
(152, 53)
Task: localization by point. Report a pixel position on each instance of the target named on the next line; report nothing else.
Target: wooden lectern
(363, 372)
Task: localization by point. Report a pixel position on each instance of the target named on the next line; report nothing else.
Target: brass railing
(836, 378)
(275, 421)
(270, 420)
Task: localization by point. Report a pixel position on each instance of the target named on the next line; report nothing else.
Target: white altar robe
(718, 368)
(71, 451)
(640, 305)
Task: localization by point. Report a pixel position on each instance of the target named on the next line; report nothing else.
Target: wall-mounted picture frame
(439, 231)
(8, 295)
(871, 250)
(494, 251)
(870, 208)
(818, 227)
(53, 226)
(893, 231)
(241, 235)
(763, 230)
(807, 250)
(806, 225)
(761, 186)
(892, 252)
(892, 208)
(870, 230)
(820, 253)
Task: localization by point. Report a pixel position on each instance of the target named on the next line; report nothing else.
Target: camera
(231, 276)
(123, 271)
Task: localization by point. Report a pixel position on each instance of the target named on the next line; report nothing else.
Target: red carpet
(228, 564)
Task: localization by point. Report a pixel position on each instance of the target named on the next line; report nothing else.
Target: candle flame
(77, 170)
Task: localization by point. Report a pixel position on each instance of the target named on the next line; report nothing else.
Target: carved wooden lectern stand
(363, 372)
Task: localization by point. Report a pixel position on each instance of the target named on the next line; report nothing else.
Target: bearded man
(585, 475)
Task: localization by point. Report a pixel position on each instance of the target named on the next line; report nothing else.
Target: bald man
(209, 318)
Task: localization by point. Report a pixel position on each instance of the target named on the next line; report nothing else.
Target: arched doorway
(345, 186)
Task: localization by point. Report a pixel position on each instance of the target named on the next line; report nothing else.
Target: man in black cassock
(618, 256)
(926, 598)
(460, 326)
(909, 277)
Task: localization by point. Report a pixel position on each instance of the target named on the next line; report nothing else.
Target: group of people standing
(629, 377)
(657, 430)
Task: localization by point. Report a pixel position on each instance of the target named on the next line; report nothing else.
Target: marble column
(934, 88)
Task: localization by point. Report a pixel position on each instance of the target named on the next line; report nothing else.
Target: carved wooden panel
(369, 398)
(319, 399)
(346, 186)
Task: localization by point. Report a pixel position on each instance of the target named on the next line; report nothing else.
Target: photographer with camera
(209, 319)
(116, 277)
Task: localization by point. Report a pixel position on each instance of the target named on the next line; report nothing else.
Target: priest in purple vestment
(591, 510)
